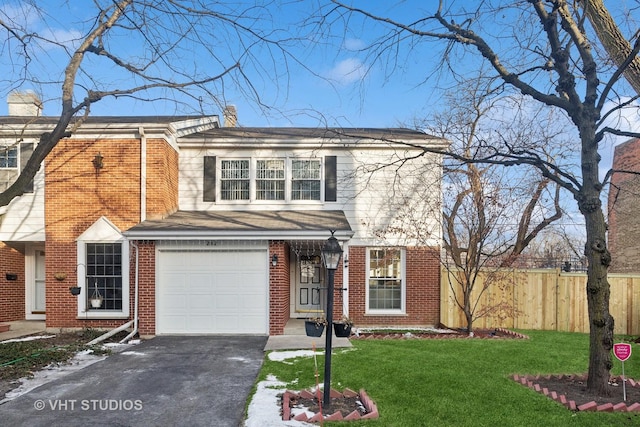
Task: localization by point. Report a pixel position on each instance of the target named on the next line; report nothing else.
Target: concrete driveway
(165, 381)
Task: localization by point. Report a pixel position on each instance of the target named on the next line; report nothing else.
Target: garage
(204, 291)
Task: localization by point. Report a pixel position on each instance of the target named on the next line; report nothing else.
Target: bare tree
(491, 214)
(543, 50)
(188, 52)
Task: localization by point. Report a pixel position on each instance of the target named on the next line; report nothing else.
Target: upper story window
(305, 180)
(234, 182)
(8, 157)
(270, 179)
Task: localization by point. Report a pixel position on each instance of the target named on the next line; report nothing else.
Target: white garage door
(212, 292)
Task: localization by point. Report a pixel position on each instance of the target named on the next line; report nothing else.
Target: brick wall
(623, 220)
(77, 194)
(147, 286)
(162, 179)
(422, 289)
(279, 292)
(12, 297)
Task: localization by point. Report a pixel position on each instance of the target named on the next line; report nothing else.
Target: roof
(272, 225)
(308, 132)
(51, 120)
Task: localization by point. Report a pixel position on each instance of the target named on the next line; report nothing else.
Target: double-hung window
(279, 179)
(305, 180)
(386, 281)
(270, 179)
(8, 157)
(235, 180)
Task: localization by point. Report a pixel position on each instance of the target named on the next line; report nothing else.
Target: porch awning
(268, 225)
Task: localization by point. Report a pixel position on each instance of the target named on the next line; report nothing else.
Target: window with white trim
(385, 281)
(270, 179)
(305, 180)
(8, 157)
(234, 180)
(104, 276)
(103, 272)
(280, 179)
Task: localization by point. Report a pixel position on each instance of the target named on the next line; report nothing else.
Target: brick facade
(624, 223)
(279, 294)
(77, 194)
(13, 291)
(422, 289)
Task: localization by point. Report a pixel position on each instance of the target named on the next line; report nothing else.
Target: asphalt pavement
(165, 381)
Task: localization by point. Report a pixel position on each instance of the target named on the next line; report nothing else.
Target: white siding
(398, 204)
(24, 218)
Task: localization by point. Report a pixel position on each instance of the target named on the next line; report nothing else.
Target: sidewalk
(21, 328)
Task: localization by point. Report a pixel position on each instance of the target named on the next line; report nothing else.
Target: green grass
(459, 382)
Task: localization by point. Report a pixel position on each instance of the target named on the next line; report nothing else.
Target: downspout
(135, 298)
(143, 174)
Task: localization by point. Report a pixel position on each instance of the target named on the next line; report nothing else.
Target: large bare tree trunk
(599, 258)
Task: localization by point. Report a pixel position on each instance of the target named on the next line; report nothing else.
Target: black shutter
(26, 150)
(209, 184)
(330, 179)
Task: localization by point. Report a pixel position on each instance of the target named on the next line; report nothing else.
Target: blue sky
(343, 93)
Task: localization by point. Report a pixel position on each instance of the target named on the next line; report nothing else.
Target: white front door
(39, 301)
(309, 285)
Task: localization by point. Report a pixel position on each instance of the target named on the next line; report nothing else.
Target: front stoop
(369, 406)
(530, 381)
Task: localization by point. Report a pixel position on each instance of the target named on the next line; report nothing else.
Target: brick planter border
(530, 381)
(369, 406)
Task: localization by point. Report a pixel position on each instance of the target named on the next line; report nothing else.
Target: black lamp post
(331, 253)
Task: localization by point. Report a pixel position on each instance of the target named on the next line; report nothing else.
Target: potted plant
(96, 298)
(342, 328)
(75, 290)
(315, 326)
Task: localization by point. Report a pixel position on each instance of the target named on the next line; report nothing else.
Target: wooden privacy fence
(542, 299)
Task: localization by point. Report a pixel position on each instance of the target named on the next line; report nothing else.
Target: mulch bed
(571, 391)
(496, 333)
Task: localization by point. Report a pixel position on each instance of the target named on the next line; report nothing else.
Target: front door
(38, 304)
(309, 290)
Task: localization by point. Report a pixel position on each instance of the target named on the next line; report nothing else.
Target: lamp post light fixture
(331, 253)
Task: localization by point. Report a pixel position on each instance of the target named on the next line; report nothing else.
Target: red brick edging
(530, 381)
(369, 405)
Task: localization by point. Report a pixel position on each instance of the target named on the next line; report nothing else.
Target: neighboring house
(202, 229)
(623, 218)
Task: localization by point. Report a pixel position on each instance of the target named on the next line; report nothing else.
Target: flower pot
(313, 329)
(342, 330)
(96, 302)
(75, 290)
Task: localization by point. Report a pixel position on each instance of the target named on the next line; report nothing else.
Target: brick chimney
(24, 104)
(230, 116)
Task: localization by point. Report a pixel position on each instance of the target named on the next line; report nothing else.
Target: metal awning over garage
(307, 224)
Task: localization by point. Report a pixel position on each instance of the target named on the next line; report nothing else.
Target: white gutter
(135, 298)
(143, 174)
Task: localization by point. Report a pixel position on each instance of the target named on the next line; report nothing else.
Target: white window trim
(98, 233)
(288, 179)
(403, 278)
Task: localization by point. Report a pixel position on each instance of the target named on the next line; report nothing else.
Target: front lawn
(459, 382)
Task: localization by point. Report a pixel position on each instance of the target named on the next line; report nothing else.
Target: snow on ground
(79, 361)
(31, 338)
(264, 409)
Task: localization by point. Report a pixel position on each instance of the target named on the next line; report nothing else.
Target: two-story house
(201, 229)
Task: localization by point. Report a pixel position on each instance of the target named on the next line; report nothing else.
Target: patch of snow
(36, 337)
(282, 356)
(80, 361)
(238, 359)
(264, 409)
